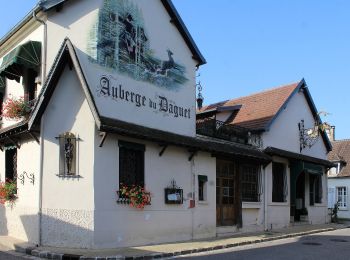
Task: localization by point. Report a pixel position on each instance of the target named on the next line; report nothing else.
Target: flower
(136, 195)
(8, 191)
(15, 108)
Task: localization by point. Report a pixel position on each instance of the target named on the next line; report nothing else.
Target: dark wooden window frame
(315, 189)
(251, 183)
(131, 163)
(279, 182)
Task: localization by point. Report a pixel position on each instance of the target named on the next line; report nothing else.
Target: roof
(259, 110)
(341, 153)
(68, 56)
(46, 5)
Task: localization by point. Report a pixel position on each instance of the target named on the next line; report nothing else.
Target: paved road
(334, 245)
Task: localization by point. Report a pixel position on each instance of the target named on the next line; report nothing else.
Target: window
(279, 183)
(11, 163)
(342, 195)
(131, 163)
(202, 187)
(315, 182)
(251, 183)
(68, 154)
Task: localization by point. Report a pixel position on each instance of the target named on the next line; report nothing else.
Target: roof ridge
(341, 140)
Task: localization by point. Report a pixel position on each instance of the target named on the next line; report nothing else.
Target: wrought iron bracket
(192, 154)
(22, 176)
(164, 147)
(103, 138)
(307, 136)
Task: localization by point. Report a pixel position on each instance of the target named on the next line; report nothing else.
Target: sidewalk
(166, 250)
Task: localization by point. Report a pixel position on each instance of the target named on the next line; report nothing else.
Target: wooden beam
(34, 137)
(164, 146)
(103, 138)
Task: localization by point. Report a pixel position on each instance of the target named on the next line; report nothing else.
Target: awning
(27, 55)
(313, 168)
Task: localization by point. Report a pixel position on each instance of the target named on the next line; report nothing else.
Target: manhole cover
(312, 244)
(339, 240)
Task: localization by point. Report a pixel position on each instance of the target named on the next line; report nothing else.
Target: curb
(59, 256)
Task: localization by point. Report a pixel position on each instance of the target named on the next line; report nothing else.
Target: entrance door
(299, 196)
(225, 193)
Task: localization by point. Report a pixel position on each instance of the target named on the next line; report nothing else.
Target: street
(329, 245)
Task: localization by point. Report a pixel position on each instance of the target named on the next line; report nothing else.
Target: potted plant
(15, 108)
(8, 192)
(135, 196)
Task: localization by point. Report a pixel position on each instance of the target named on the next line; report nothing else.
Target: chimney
(331, 133)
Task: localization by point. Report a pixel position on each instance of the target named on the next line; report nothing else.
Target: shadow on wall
(3, 221)
(62, 228)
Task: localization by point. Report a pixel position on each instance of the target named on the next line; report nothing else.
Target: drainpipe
(43, 78)
(43, 49)
(193, 181)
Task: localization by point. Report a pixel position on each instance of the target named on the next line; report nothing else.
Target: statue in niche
(68, 154)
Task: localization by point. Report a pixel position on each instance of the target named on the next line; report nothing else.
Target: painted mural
(119, 41)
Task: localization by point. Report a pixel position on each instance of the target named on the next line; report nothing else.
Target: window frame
(130, 149)
(315, 189)
(202, 188)
(253, 194)
(344, 195)
(280, 191)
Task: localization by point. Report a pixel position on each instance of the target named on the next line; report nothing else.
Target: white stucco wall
(341, 182)
(68, 203)
(20, 219)
(68, 23)
(284, 131)
(119, 225)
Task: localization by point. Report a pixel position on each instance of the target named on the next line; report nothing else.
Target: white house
(284, 122)
(112, 90)
(339, 177)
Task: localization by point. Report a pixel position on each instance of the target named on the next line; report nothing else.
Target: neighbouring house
(339, 176)
(284, 122)
(98, 137)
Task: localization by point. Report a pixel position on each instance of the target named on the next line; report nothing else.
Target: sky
(253, 45)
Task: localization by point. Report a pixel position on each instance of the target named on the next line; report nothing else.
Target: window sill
(69, 176)
(317, 205)
(251, 205)
(285, 204)
(203, 202)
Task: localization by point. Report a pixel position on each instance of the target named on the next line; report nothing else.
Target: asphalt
(166, 250)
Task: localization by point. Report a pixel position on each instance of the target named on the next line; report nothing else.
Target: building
(338, 177)
(108, 104)
(284, 122)
(108, 109)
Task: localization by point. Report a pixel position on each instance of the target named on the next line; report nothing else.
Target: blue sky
(252, 45)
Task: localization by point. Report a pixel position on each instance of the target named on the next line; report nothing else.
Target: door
(225, 193)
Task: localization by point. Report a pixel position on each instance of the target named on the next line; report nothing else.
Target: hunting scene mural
(119, 41)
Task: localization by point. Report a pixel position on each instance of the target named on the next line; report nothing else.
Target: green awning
(27, 55)
(313, 168)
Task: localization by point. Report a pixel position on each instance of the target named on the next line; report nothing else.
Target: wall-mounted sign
(109, 87)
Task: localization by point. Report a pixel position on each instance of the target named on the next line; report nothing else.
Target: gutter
(43, 49)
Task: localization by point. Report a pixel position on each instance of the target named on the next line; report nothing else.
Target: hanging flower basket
(8, 192)
(135, 196)
(16, 108)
